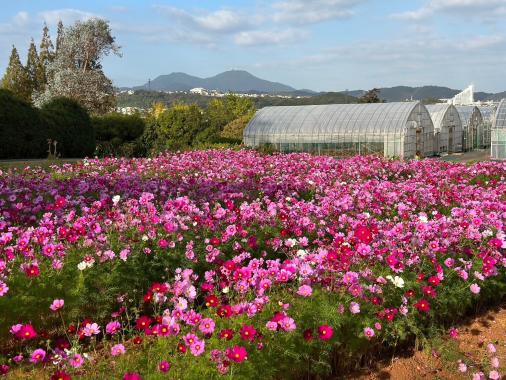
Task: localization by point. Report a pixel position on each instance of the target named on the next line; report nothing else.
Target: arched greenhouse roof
(500, 116)
(487, 113)
(466, 114)
(318, 121)
(438, 113)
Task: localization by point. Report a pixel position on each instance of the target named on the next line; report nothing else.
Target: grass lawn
(43, 163)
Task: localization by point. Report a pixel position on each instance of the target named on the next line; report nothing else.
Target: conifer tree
(46, 56)
(16, 77)
(32, 67)
(59, 36)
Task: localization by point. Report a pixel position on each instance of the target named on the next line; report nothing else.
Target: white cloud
(67, 16)
(482, 9)
(313, 11)
(269, 37)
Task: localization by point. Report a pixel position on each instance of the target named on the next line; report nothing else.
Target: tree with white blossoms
(76, 72)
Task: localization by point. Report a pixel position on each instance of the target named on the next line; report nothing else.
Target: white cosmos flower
(116, 199)
(82, 265)
(397, 281)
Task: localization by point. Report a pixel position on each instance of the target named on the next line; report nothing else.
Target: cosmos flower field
(234, 264)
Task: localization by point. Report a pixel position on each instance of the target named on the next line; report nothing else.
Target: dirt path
(442, 363)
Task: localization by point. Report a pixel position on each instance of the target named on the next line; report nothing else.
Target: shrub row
(25, 130)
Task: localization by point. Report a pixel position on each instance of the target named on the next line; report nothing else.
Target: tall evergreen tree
(16, 77)
(59, 36)
(32, 67)
(46, 56)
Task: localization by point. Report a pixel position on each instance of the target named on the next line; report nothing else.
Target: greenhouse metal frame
(472, 125)
(487, 113)
(498, 133)
(403, 130)
(447, 128)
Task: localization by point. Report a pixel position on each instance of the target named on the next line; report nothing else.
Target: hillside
(233, 80)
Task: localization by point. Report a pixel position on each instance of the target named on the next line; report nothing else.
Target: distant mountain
(402, 93)
(234, 81)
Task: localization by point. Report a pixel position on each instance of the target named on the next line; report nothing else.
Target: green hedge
(22, 134)
(70, 125)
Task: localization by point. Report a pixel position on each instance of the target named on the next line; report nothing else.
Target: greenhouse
(498, 133)
(487, 113)
(447, 128)
(402, 130)
(471, 119)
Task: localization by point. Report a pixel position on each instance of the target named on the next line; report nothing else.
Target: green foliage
(32, 65)
(179, 126)
(16, 78)
(371, 96)
(70, 125)
(21, 131)
(234, 130)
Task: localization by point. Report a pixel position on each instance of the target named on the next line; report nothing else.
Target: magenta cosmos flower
(164, 366)
(198, 347)
(112, 327)
(325, 332)
(132, 376)
(207, 326)
(237, 354)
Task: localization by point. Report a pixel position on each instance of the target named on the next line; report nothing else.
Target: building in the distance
(403, 130)
(447, 128)
(498, 133)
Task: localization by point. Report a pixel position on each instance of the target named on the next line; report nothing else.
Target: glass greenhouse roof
(500, 116)
(377, 118)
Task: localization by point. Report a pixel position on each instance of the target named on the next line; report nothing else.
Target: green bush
(124, 128)
(69, 123)
(22, 134)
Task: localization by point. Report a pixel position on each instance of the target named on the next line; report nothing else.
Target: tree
(16, 78)
(371, 96)
(59, 36)
(76, 71)
(32, 67)
(179, 125)
(46, 56)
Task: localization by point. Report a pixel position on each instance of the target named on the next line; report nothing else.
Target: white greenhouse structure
(403, 130)
(447, 128)
(472, 123)
(498, 133)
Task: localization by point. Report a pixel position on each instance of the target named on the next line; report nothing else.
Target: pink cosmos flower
(38, 355)
(491, 348)
(117, 349)
(494, 362)
(198, 347)
(475, 289)
(368, 332)
(462, 367)
(494, 375)
(3, 288)
(91, 329)
(287, 324)
(305, 291)
(354, 308)
(57, 304)
(112, 327)
(206, 326)
(271, 325)
(76, 360)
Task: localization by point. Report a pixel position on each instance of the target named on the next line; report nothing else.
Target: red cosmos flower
(4, 369)
(423, 305)
(325, 332)
(237, 354)
(159, 288)
(420, 277)
(429, 291)
(283, 233)
(60, 202)
(71, 329)
(60, 375)
(229, 265)
(434, 280)
(227, 334)
(308, 334)
(148, 296)
(224, 311)
(376, 300)
(212, 301)
(62, 343)
(409, 293)
(215, 241)
(137, 340)
(363, 234)
(248, 332)
(181, 347)
(32, 271)
(26, 332)
(142, 322)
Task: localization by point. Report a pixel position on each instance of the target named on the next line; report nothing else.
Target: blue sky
(316, 44)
